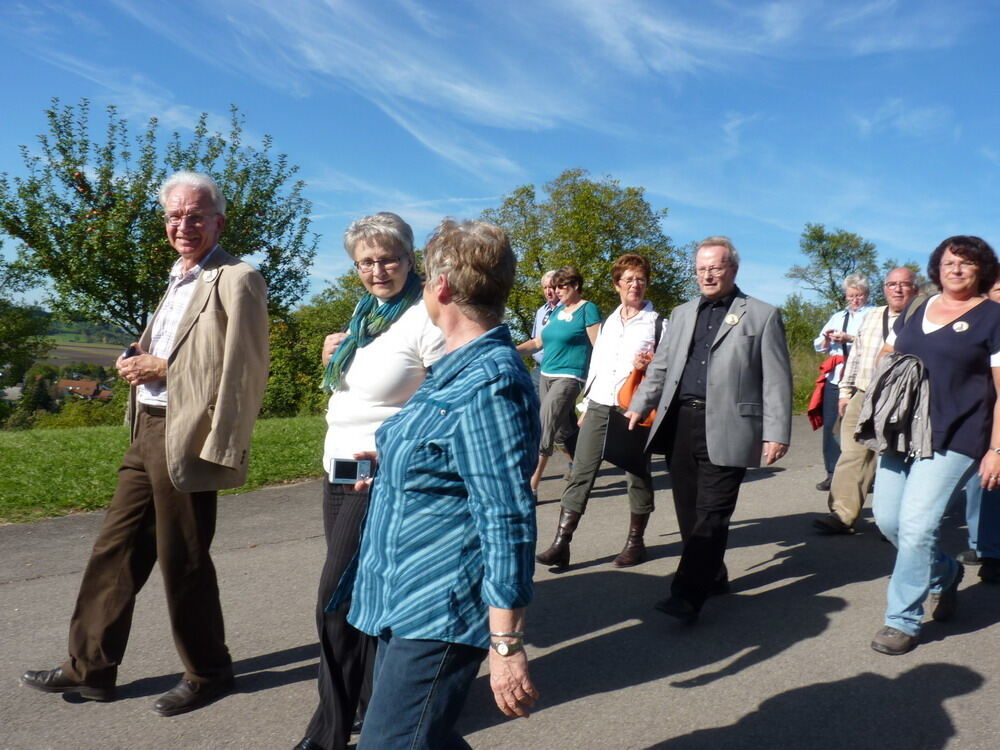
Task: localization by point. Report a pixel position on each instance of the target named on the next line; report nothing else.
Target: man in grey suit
(722, 387)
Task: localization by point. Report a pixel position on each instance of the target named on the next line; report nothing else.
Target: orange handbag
(628, 389)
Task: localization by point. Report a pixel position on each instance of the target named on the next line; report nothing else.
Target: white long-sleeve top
(614, 352)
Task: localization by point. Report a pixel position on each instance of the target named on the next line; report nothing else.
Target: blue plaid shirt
(451, 523)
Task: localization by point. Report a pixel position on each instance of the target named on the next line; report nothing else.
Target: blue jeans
(982, 515)
(910, 500)
(420, 688)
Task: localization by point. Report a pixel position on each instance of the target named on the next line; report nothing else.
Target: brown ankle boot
(558, 554)
(635, 549)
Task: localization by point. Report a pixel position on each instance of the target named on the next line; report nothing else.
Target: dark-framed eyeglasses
(198, 220)
(367, 265)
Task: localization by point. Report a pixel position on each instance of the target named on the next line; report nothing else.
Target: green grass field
(53, 472)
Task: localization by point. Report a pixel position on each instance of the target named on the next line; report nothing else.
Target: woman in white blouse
(372, 369)
(626, 341)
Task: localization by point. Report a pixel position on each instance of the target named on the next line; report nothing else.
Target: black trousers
(347, 656)
(149, 520)
(704, 499)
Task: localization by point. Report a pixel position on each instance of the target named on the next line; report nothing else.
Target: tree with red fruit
(86, 215)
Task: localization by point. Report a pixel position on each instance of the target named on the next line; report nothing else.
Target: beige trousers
(855, 468)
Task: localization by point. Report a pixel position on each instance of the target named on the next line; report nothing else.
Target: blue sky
(742, 118)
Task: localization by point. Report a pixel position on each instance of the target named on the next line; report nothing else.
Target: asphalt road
(781, 662)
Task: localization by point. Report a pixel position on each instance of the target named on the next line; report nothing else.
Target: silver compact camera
(349, 471)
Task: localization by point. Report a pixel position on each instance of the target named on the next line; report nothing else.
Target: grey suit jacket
(749, 389)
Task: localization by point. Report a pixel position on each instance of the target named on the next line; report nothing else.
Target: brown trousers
(150, 520)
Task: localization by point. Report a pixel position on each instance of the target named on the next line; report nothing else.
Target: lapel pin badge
(961, 326)
(732, 319)
(210, 275)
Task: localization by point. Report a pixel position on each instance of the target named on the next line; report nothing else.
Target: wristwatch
(506, 649)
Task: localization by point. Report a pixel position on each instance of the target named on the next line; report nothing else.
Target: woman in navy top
(956, 334)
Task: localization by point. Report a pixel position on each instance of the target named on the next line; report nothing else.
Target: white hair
(721, 241)
(383, 225)
(194, 180)
(856, 281)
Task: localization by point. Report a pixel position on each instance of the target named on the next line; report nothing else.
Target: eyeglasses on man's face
(711, 270)
(899, 285)
(367, 265)
(197, 220)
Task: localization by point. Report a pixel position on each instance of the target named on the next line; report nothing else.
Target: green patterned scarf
(369, 321)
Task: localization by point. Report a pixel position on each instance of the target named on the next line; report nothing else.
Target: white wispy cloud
(913, 121)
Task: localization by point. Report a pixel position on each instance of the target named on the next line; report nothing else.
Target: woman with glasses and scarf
(372, 369)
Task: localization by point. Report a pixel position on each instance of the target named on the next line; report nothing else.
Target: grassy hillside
(53, 472)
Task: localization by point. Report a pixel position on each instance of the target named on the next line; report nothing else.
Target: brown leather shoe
(187, 696)
(634, 551)
(893, 642)
(56, 681)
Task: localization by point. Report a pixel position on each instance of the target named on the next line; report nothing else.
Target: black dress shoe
(989, 571)
(308, 744)
(831, 524)
(824, 486)
(678, 608)
(187, 696)
(55, 681)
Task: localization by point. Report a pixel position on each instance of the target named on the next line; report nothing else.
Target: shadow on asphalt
(734, 632)
(868, 710)
(252, 675)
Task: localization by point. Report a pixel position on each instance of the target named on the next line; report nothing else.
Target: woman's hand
(330, 344)
(642, 360)
(363, 484)
(989, 470)
(513, 690)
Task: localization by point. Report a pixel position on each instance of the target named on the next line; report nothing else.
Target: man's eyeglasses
(367, 265)
(175, 220)
(899, 285)
(713, 270)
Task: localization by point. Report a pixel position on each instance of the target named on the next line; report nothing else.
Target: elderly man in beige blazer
(197, 376)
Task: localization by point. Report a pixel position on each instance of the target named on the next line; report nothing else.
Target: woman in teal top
(568, 340)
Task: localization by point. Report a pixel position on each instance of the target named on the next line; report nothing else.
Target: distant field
(92, 354)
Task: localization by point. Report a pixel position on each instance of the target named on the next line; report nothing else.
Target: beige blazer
(216, 375)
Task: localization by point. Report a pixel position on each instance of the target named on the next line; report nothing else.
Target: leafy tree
(22, 331)
(585, 223)
(833, 256)
(297, 343)
(87, 216)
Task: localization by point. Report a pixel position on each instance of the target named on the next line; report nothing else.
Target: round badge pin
(210, 275)
(732, 319)
(961, 326)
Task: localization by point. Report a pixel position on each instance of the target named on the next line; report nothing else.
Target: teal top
(566, 343)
